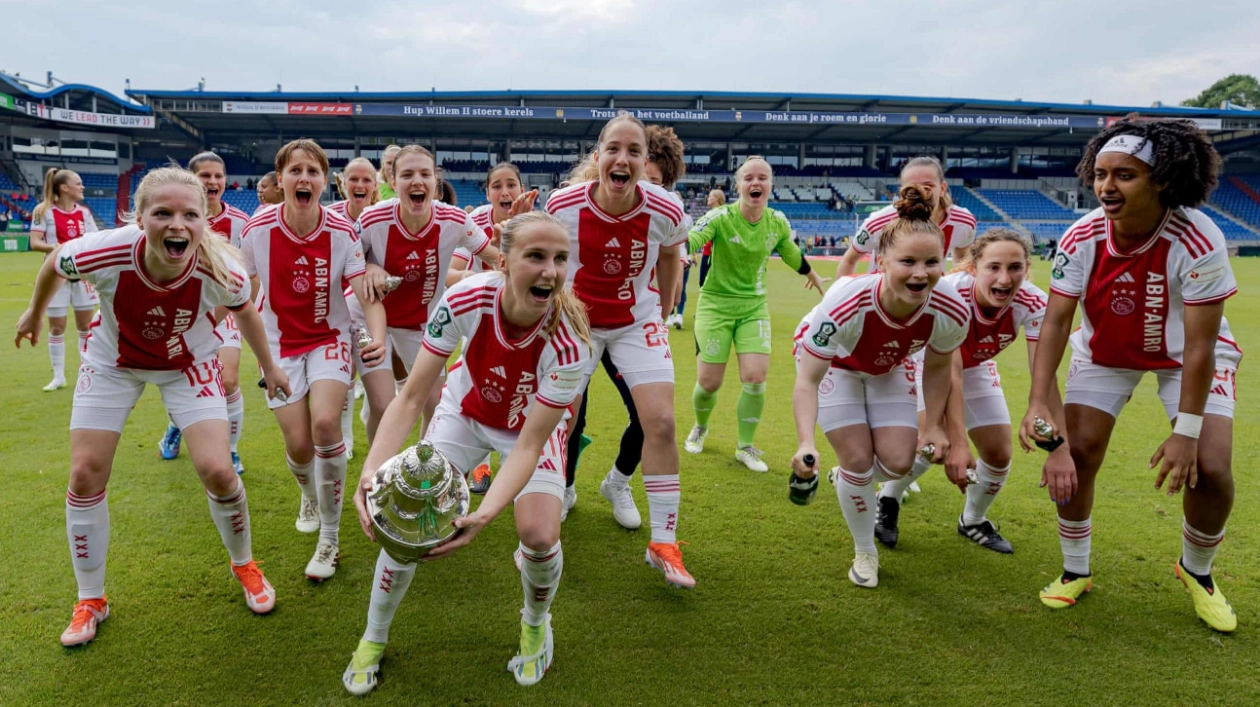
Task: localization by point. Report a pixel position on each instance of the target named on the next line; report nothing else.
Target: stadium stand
(244, 199)
(1232, 195)
(1026, 204)
(967, 199)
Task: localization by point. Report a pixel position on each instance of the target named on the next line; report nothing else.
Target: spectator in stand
(236, 185)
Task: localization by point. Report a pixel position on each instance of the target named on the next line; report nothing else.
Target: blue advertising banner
(656, 115)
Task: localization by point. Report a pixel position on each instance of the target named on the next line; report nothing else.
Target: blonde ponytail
(566, 304)
(53, 178)
(213, 252)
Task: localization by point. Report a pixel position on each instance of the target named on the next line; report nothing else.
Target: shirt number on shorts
(656, 334)
(338, 352)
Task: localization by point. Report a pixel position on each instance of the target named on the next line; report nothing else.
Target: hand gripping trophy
(415, 498)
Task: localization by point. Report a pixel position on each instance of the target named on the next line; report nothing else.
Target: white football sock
(664, 494)
(857, 501)
(57, 355)
(347, 420)
(618, 479)
(1198, 549)
(236, 417)
(389, 586)
(231, 517)
(330, 473)
(87, 530)
(540, 577)
(1074, 540)
(302, 473)
(980, 496)
(895, 489)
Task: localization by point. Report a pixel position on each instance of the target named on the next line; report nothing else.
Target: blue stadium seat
(979, 209)
(1231, 198)
(1026, 204)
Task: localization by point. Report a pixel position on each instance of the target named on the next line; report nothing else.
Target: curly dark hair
(1186, 163)
(666, 151)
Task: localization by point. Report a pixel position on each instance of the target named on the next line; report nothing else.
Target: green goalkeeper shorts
(721, 321)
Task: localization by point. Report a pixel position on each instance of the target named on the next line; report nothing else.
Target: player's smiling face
(535, 267)
(360, 182)
(415, 181)
(755, 183)
(174, 222)
(621, 157)
(213, 179)
(999, 272)
(303, 181)
(1123, 186)
(912, 266)
(73, 188)
(501, 190)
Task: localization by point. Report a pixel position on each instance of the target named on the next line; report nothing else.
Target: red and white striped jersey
(989, 336)
(498, 380)
(1132, 303)
(143, 324)
(851, 329)
(302, 278)
(959, 228)
(482, 217)
(612, 258)
(230, 223)
(64, 226)
(420, 259)
(341, 209)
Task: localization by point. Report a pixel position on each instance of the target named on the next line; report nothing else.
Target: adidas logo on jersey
(499, 371)
(987, 340)
(614, 243)
(735, 239)
(301, 261)
(157, 312)
(893, 345)
(412, 256)
(1126, 277)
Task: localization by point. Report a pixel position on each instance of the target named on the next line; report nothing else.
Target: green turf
(773, 620)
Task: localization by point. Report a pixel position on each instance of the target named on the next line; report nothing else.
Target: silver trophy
(1043, 429)
(414, 499)
(391, 283)
(927, 451)
(362, 338)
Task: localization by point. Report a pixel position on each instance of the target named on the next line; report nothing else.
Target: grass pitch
(772, 621)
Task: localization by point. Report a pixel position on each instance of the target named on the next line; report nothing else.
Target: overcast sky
(1066, 51)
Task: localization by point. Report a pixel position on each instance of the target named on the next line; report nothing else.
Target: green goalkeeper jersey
(741, 250)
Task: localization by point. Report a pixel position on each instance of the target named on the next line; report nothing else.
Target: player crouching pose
(994, 286)
(163, 283)
(521, 368)
(1151, 275)
(855, 380)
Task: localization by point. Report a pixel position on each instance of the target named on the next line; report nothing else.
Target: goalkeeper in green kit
(733, 308)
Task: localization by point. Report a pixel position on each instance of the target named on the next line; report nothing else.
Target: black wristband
(1050, 445)
(804, 269)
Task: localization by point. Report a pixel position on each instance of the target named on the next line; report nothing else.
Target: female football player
(61, 218)
(993, 284)
(733, 306)
(301, 254)
(521, 367)
(184, 277)
(1151, 274)
(622, 229)
(855, 381)
(411, 236)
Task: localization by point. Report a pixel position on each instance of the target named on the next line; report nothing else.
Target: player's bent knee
(540, 537)
(326, 429)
